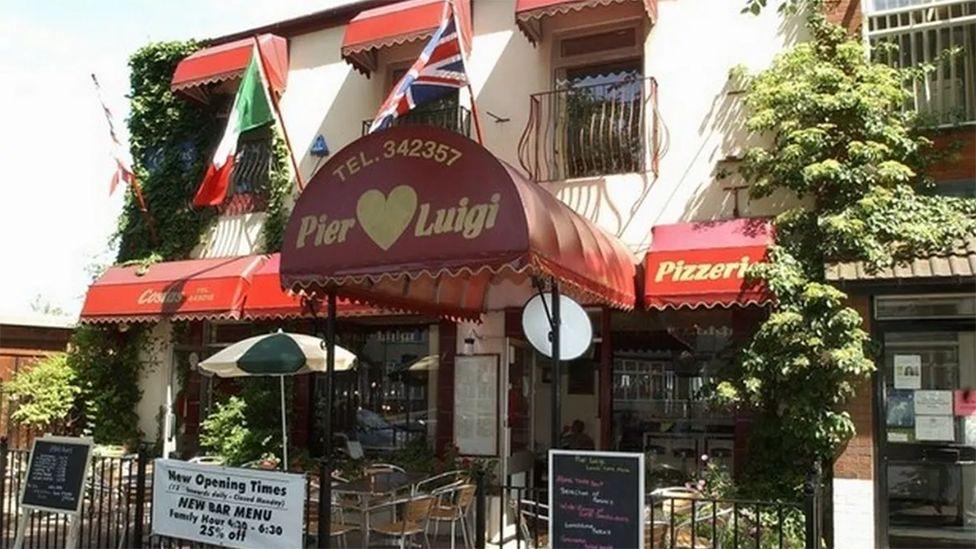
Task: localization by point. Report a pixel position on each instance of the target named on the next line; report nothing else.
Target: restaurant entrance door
(927, 468)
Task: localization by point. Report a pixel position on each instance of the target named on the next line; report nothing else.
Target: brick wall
(857, 459)
(959, 144)
(846, 13)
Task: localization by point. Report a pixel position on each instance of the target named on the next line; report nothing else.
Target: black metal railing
(672, 521)
(457, 119)
(586, 131)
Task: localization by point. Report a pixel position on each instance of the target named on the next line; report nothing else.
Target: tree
(841, 142)
(44, 394)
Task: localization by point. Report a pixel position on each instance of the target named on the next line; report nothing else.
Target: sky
(56, 216)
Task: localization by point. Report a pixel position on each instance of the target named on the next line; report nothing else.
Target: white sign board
(228, 507)
(908, 372)
(933, 403)
(476, 405)
(934, 428)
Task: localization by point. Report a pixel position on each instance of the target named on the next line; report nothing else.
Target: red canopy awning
(266, 299)
(529, 14)
(424, 219)
(394, 24)
(227, 61)
(704, 264)
(179, 290)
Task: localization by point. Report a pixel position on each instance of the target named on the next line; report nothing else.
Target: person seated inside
(575, 439)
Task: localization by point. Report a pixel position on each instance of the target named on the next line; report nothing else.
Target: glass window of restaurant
(927, 419)
(386, 400)
(665, 365)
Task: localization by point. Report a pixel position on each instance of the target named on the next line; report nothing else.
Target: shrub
(44, 395)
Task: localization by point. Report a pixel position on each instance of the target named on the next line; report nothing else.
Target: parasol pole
(284, 426)
(325, 484)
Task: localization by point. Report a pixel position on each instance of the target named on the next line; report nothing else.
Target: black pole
(556, 420)
(140, 510)
(480, 517)
(326, 481)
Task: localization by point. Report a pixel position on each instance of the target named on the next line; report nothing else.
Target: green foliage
(44, 394)
(107, 365)
(170, 137)
(841, 141)
(279, 189)
(246, 427)
(225, 433)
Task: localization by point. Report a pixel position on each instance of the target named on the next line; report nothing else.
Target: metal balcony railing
(586, 131)
(456, 119)
(914, 33)
(249, 180)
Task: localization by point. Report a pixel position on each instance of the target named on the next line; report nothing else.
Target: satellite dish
(576, 330)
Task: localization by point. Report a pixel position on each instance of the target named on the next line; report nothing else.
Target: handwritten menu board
(596, 499)
(56, 474)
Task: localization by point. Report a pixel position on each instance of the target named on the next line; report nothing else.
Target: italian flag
(252, 109)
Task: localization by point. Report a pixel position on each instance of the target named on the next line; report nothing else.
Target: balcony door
(928, 447)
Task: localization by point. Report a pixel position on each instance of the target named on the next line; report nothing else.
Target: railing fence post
(140, 513)
(325, 504)
(480, 522)
(3, 490)
(812, 507)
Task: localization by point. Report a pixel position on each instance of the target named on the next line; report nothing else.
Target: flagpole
(464, 61)
(120, 170)
(474, 115)
(281, 119)
(148, 219)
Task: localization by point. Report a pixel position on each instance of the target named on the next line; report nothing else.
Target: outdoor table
(378, 485)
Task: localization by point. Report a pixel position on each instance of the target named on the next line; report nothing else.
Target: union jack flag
(438, 70)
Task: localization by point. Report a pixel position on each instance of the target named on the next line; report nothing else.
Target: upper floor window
(594, 121)
(914, 33)
(248, 191)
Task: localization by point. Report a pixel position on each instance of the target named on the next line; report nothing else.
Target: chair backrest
(418, 508)
(438, 482)
(466, 495)
(379, 468)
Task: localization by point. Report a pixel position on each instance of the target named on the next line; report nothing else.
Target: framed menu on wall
(476, 404)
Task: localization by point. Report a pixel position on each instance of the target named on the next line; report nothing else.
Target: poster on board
(476, 405)
(56, 474)
(933, 403)
(229, 507)
(934, 428)
(596, 499)
(908, 371)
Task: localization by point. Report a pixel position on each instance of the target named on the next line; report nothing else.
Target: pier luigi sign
(227, 507)
(423, 195)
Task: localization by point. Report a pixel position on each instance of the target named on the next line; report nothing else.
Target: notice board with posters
(56, 474)
(228, 507)
(596, 499)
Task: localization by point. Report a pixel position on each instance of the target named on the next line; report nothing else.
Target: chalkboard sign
(596, 499)
(56, 474)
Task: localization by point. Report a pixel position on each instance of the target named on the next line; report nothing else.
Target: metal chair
(454, 503)
(413, 521)
(436, 482)
(533, 520)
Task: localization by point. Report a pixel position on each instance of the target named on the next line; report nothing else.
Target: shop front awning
(225, 62)
(704, 264)
(267, 300)
(394, 24)
(530, 14)
(423, 219)
(179, 290)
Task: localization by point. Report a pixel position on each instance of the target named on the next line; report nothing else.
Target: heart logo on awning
(385, 217)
